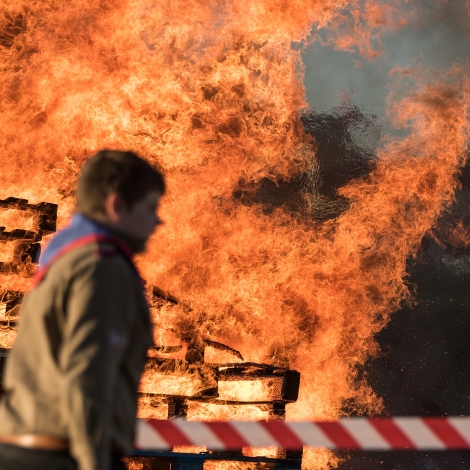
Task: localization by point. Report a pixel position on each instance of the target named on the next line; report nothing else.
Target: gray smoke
(436, 37)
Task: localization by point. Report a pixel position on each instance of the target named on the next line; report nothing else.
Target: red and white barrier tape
(349, 433)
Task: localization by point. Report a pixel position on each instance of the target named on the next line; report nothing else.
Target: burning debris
(10, 306)
(25, 248)
(182, 388)
(25, 243)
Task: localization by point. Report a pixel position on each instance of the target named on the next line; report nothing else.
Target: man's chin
(136, 243)
(143, 247)
(139, 244)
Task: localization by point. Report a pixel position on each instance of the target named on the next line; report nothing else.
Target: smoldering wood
(10, 306)
(44, 213)
(26, 250)
(26, 246)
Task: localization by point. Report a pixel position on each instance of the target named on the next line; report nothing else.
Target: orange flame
(211, 93)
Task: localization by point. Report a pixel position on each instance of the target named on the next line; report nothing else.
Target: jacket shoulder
(90, 256)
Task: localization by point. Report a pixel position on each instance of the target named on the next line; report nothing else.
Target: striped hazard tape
(349, 433)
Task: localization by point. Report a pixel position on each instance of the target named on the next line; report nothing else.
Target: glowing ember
(212, 93)
(13, 218)
(169, 385)
(148, 410)
(7, 253)
(246, 390)
(215, 412)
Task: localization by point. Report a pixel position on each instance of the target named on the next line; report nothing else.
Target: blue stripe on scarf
(80, 227)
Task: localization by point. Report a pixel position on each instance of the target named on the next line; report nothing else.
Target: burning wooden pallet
(176, 388)
(176, 382)
(171, 385)
(25, 242)
(267, 387)
(25, 249)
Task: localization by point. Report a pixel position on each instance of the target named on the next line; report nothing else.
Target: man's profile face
(141, 219)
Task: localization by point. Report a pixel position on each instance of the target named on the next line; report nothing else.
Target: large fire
(212, 93)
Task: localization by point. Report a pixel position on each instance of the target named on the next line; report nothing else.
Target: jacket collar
(81, 228)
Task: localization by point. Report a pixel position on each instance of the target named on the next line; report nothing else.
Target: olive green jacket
(75, 367)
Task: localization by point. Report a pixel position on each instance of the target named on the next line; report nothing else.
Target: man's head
(121, 190)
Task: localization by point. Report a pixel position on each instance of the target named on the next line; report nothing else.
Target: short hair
(115, 171)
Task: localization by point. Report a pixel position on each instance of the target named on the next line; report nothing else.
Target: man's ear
(113, 205)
